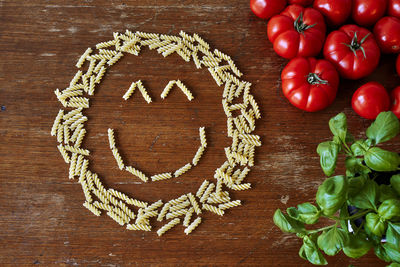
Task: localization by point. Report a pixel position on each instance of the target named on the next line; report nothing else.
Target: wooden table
(42, 219)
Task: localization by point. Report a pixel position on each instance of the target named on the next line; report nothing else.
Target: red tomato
(398, 65)
(387, 34)
(300, 2)
(267, 8)
(368, 12)
(310, 84)
(297, 31)
(353, 50)
(370, 99)
(395, 95)
(336, 12)
(394, 8)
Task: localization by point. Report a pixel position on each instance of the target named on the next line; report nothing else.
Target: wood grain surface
(42, 220)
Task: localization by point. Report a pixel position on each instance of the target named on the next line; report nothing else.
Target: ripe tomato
(395, 96)
(336, 12)
(394, 8)
(267, 8)
(353, 50)
(297, 31)
(398, 65)
(387, 34)
(300, 2)
(370, 99)
(368, 12)
(310, 84)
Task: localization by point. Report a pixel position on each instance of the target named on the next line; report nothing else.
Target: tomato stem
(300, 26)
(313, 78)
(355, 44)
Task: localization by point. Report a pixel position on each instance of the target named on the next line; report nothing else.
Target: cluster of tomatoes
(298, 32)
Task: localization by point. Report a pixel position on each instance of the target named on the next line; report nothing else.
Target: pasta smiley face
(238, 104)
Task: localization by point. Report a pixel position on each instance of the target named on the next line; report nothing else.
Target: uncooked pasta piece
(76, 132)
(196, 59)
(182, 170)
(99, 66)
(226, 88)
(118, 194)
(92, 85)
(138, 227)
(207, 192)
(72, 113)
(83, 57)
(105, 44)
(161, 176)
(130, 91)
(60, 133)
(221, 55)
(137, 173)
(73, 119)
(86, 191)
(72, 165)
(56, 123)
(76, 78)
(254, 104)
(89, 179)
(201, 41)
(177, 200)
(193, 226)
(81, 151)
(225, 176)
(149, 41)
(186, 36)
(188, 216)
(218, 187)
(111, 138)
(163, 212)
(209, 63)
(168, 226)
(167, 89)
(137, 203)
(215, 75)
(215, 199)
(228, 155)
(179, 206)
(121, 214)
(203, 139)
(234, 68)
(213, 209)
(184, 53)
(198, 155)
(242, 175)
(65, 94)
(114, 59)
(202, 188)
(229, 124)
(147, 35)
(91, 67)
(102, 206)
(64, 153)
(227, 110)
(241, 186)
(82, 173)
(231, 93)
(97, 182)
(116, 217)
(108, 52)
(185, 90)
(235, 141)
(250, 139)
(118, 158)
(249, 116)
(143, 90)
(171, 215)
(154, 206)
(239, 89)
(172, 49)
(78, 165)
(73, 104)
(100, 75)
(92, 208)
(79, 139)
(230, 204)
(78, 122)
(239, 158)
(194, 203)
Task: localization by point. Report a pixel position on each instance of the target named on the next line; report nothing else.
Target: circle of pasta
(69, 129)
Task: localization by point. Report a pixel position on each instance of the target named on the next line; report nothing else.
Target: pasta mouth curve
(214, 197)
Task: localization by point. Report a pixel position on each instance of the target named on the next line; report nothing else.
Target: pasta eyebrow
(239, 105)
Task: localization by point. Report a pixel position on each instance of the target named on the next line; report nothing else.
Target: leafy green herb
(385, 127)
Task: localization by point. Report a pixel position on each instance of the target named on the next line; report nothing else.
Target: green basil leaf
(357, 246)
(385, 127)
(394, 264)
(380, 251)
(333, 240)
(375, 224)
(328, 153)
(393, 234)
(359, 148)
(389, 208)
(386, 192)
(355, 166)
(305, 212)
(363, 197)
(382, 160)
(392, 252)
(338, 126)
(344, 213)
(312, 253)
(395, 183)
(286, 223)
(349, 138)
(331, 194)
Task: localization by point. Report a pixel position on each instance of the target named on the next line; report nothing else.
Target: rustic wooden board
(41, 215)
